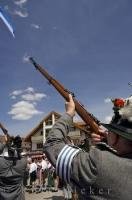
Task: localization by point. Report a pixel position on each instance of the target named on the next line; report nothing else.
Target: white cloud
(26, 107)
(23, 110)
(36, 26)
(16, 93)
(13, 97)
(20, 9)
(33, 96)
(108, 119)
(20, 13)
(107, 100)
(28, 94)
(25, 58)
(30, 89)
(20, 2)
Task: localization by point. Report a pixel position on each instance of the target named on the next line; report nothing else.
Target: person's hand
(70, 106)
(6, 138)
(96, 138)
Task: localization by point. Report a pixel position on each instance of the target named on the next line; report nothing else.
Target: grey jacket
(98, 175)
(11, 177)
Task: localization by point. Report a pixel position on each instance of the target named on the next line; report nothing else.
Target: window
(47, 131)
(39, 145)
(41, 132)
(49, 122)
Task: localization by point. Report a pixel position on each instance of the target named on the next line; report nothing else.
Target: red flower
(118, 103)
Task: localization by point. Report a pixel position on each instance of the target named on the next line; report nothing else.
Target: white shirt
(49, 165)
(33, 167)
(44, 165)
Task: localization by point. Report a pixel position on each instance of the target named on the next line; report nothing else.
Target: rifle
(5, 131)
(87, 117)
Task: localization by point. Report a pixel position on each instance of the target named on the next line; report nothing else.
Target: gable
(37, 130)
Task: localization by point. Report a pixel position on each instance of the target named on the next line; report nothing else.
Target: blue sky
(86, 45)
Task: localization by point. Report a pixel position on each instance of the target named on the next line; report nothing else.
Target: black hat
(121, 122)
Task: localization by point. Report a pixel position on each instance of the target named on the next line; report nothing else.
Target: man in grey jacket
(105, 172)
(12, 169)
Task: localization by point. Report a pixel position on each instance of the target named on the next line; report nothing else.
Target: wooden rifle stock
(87, 117)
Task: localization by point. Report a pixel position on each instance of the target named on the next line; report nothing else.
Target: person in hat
(105, 172)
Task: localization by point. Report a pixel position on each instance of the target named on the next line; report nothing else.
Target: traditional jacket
(12, 172)
(99, 174)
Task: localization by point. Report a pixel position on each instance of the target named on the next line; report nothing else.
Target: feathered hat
(121, 122)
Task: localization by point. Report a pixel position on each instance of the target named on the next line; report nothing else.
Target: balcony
(37, 138)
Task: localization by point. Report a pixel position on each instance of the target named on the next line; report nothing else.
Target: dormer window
(48, 122)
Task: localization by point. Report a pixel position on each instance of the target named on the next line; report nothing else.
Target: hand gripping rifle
(13, 143)
(87, 117)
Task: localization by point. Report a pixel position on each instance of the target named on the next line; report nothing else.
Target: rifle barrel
(82, 112)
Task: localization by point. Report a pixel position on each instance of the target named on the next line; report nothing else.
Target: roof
(79, 125)
(40, 125)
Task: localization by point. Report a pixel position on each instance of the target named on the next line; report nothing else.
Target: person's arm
(56, 139)
(71, 163)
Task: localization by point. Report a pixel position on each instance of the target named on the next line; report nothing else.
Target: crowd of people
(40, 176)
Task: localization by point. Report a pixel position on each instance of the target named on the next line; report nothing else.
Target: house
(26, 146)
(37, 137)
